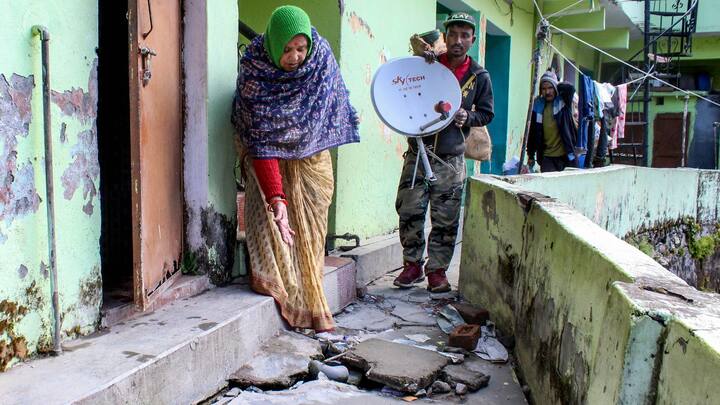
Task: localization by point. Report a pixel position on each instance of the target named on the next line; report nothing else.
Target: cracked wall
(25, 310)
(367, 40)
(595, 320)
(670, 214)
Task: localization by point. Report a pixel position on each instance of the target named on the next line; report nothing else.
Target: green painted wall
(365, 198)
(587, 310)
(368, 172)
(222, 39)
(520, 26)
(623, 199)
(324, 16)
(24, 279)
(578, 53)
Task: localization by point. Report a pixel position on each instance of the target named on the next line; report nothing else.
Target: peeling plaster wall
(210, 64)
(25, 310)
(595, 320)
(373, 32)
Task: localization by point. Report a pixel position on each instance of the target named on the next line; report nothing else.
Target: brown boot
(437, 281)
(412, 274)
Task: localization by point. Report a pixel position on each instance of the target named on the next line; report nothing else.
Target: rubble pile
(404, 345)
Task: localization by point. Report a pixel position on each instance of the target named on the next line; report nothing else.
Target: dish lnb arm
(443, 108)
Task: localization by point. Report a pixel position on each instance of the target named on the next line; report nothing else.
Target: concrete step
(376, 257)
(339, 282)
(180, 353)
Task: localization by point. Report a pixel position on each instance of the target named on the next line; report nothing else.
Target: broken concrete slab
(366, 317)
(461, 374)
(280, 363)
(402, 367)
(412, 314)
(315, 392)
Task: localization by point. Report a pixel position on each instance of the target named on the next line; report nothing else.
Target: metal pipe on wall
(684, 131)
(44, 35)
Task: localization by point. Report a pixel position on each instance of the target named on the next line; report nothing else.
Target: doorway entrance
(667, 140)
(497, 63)
(113, 128)
(140, 128)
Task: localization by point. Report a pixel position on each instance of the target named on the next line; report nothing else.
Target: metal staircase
(668, 30)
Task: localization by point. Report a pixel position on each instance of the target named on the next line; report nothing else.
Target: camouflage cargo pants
(444, 198)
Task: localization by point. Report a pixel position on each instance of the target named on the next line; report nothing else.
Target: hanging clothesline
(645, 74)
(553, 47)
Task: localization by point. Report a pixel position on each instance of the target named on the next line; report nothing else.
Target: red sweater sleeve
(267, 172)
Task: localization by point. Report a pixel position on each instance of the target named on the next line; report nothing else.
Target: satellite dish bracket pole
(422, 155)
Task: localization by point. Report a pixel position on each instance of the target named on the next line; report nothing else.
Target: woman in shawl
(290, 107)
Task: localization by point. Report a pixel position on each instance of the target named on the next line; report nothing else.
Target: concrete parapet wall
(623, 199)
(595, 320)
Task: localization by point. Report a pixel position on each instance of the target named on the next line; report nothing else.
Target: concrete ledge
(376, 257)
(595, 320)
(180, 353)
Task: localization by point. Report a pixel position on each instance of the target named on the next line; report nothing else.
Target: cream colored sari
(292, 275)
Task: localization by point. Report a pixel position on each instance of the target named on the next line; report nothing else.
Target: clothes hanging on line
(620, 101)
(586, 109)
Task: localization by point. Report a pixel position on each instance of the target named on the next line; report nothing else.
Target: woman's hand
(280, 216)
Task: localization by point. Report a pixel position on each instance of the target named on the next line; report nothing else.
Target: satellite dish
(413, 97)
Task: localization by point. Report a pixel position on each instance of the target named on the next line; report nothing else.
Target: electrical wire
(565, 9)
(538, 10)
(648, 74)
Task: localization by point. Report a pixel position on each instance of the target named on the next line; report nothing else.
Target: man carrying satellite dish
(443, 195)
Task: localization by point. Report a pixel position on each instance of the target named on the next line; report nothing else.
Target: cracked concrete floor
(410, 312)
(389, 313)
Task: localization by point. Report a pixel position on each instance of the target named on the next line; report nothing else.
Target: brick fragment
(465, 336)
(472, 314)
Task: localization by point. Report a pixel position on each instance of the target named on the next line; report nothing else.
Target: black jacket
(450, 141)
(563, 117)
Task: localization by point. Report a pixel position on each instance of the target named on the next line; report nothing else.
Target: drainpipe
(49, 187)
(684, 131)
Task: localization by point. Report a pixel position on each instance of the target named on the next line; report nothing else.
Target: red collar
(459, 71)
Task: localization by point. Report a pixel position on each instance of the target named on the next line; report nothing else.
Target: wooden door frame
(674, 115)
(135, 189)
(142, 300)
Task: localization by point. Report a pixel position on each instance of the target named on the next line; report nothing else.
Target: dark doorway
(703, 150)
(113, 129)
(497, 62)
(667, 140)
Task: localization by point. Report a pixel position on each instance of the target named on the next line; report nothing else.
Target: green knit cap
(286, 22)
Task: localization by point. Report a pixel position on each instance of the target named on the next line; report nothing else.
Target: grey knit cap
(551, 78)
